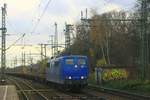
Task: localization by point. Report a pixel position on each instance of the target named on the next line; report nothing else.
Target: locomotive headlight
(75, 66)
(82, 66)
(69, 77)
(82, 77)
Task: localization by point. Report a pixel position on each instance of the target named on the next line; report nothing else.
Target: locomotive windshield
(69, 61)
(78, 61)
(81, 62)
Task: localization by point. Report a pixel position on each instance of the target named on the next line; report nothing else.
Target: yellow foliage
(115, 74)
(101, 62)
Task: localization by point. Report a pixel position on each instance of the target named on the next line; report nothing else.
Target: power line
(36, 10)
(40, 3)
(11, 26)
(39, 19)
(15, 42)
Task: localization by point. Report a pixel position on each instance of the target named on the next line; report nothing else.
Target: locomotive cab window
(81, 62)
(69, 61)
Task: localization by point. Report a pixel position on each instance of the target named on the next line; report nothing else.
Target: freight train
(68, 71)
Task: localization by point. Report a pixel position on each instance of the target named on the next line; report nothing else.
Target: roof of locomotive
(72, 56)
(66, 56)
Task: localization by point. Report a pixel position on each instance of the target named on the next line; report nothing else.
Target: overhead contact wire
(39, 19)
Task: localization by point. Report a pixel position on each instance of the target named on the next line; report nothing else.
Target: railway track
(92, 92)
(85, 96)
(25, 89)
(64, 95)
(124, 94)
(44, 93)
(29, 86)
(22, 94)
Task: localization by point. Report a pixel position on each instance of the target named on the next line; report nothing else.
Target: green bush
(129, 85)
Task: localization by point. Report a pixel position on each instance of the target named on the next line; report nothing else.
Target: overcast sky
(22, 16)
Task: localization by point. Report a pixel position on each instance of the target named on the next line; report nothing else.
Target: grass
(136, 86)
(92, 78)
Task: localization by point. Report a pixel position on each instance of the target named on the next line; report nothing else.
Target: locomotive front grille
(76, 82)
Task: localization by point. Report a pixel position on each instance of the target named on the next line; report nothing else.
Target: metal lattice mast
(56, 40)
(144, 57)
(45, 50)
(3, 45)
(52, 42)
(41, 51)
(68, 31)
(23, 61)
(67, 37)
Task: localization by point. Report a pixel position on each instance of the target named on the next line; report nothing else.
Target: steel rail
(20, 89)
(40, 94)
(122, 93)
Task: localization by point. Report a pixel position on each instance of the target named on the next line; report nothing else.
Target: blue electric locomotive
(68, 71)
